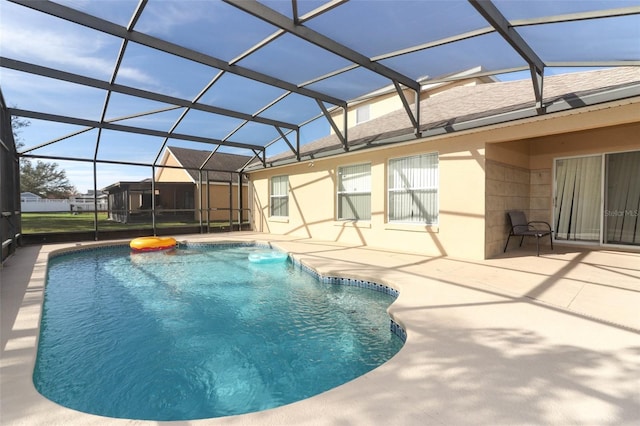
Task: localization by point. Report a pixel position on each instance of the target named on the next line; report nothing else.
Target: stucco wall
(170, 174)
(483, 174)
(520, 173)
(508, 188)
(219, 201)
(390, 102)
(312, 201)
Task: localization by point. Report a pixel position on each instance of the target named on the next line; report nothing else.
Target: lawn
(66, 222)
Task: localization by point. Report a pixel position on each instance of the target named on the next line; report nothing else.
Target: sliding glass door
(622, 198)
(597, 198)
(578, 192)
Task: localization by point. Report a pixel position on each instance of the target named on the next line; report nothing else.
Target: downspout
(231, 201)
(200, 198)
(240, 204)
(153, 198)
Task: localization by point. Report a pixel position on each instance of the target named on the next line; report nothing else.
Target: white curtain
(413, 189)
(622, 222)
(578, 192)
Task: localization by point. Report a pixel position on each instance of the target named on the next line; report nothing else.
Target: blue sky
(220, 30)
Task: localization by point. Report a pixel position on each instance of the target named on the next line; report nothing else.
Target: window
(622, 198)
(280, 196)
(354, 192)
(363, 113)
(413, 189)
(578, 189)
(597, 190)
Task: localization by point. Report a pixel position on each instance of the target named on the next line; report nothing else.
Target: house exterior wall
(390, 102)
(312, 201)
(219, 200)
(170, 174)
(483, 174)
(519, 173)
(218, 192)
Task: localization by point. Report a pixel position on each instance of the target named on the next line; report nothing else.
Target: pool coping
(401, 391)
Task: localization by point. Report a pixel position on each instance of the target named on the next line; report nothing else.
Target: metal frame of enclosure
(9, 186)
(403, 57)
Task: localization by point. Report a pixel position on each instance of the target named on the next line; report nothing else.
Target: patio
(517, 339)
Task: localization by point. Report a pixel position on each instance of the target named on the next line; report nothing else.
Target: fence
(32, 206)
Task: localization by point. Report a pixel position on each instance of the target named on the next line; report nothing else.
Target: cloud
(54, 48)
(58, 44)
(165, 17)
(137, 75)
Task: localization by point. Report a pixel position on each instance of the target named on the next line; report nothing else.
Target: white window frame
(363, 113)
(427, 183)
(341, 194)
(273, 196)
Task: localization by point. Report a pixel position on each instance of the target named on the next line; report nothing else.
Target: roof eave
(561, 104)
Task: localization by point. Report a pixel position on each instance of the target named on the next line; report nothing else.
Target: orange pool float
(152, 243)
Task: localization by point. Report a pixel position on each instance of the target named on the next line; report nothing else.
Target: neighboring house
(484, 150)
(26, 197)
(130, 202)
(176, 189)
(177, 184)
(220, 177)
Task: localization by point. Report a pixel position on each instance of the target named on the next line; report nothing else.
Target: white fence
(30, 206)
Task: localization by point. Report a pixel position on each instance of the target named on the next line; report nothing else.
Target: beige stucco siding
(389, 102)
(219, 200)
(312, 201)
(520, 173)
(170, 174)
(483, 173)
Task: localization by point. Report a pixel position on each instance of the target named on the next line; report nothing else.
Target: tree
(17, 124)
(44, 179)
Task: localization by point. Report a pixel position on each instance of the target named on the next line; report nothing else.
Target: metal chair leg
(506, 245)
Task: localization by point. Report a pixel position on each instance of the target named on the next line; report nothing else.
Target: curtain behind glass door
(621, 212)
(577, 204)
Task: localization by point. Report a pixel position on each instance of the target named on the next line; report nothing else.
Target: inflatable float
(268, 257)
(152, 243)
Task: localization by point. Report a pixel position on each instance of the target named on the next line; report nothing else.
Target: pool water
(200, 332)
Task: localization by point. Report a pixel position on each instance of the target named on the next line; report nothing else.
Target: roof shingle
(465, 103)
(220, 166)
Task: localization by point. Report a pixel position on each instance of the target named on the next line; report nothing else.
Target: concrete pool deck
(520, 339)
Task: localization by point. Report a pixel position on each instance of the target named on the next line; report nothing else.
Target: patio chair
(521, 228)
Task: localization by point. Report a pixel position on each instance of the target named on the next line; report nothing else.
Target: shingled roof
(220, 166)
(464, 107)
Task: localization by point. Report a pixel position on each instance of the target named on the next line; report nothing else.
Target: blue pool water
(200, 332)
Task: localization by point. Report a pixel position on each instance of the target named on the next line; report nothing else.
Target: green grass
(33, 223)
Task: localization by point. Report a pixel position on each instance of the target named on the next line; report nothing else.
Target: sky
(214, 28)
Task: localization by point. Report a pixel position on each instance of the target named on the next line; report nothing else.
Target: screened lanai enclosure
(165, 107)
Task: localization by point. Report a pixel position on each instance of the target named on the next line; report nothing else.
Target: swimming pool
(201, 332)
